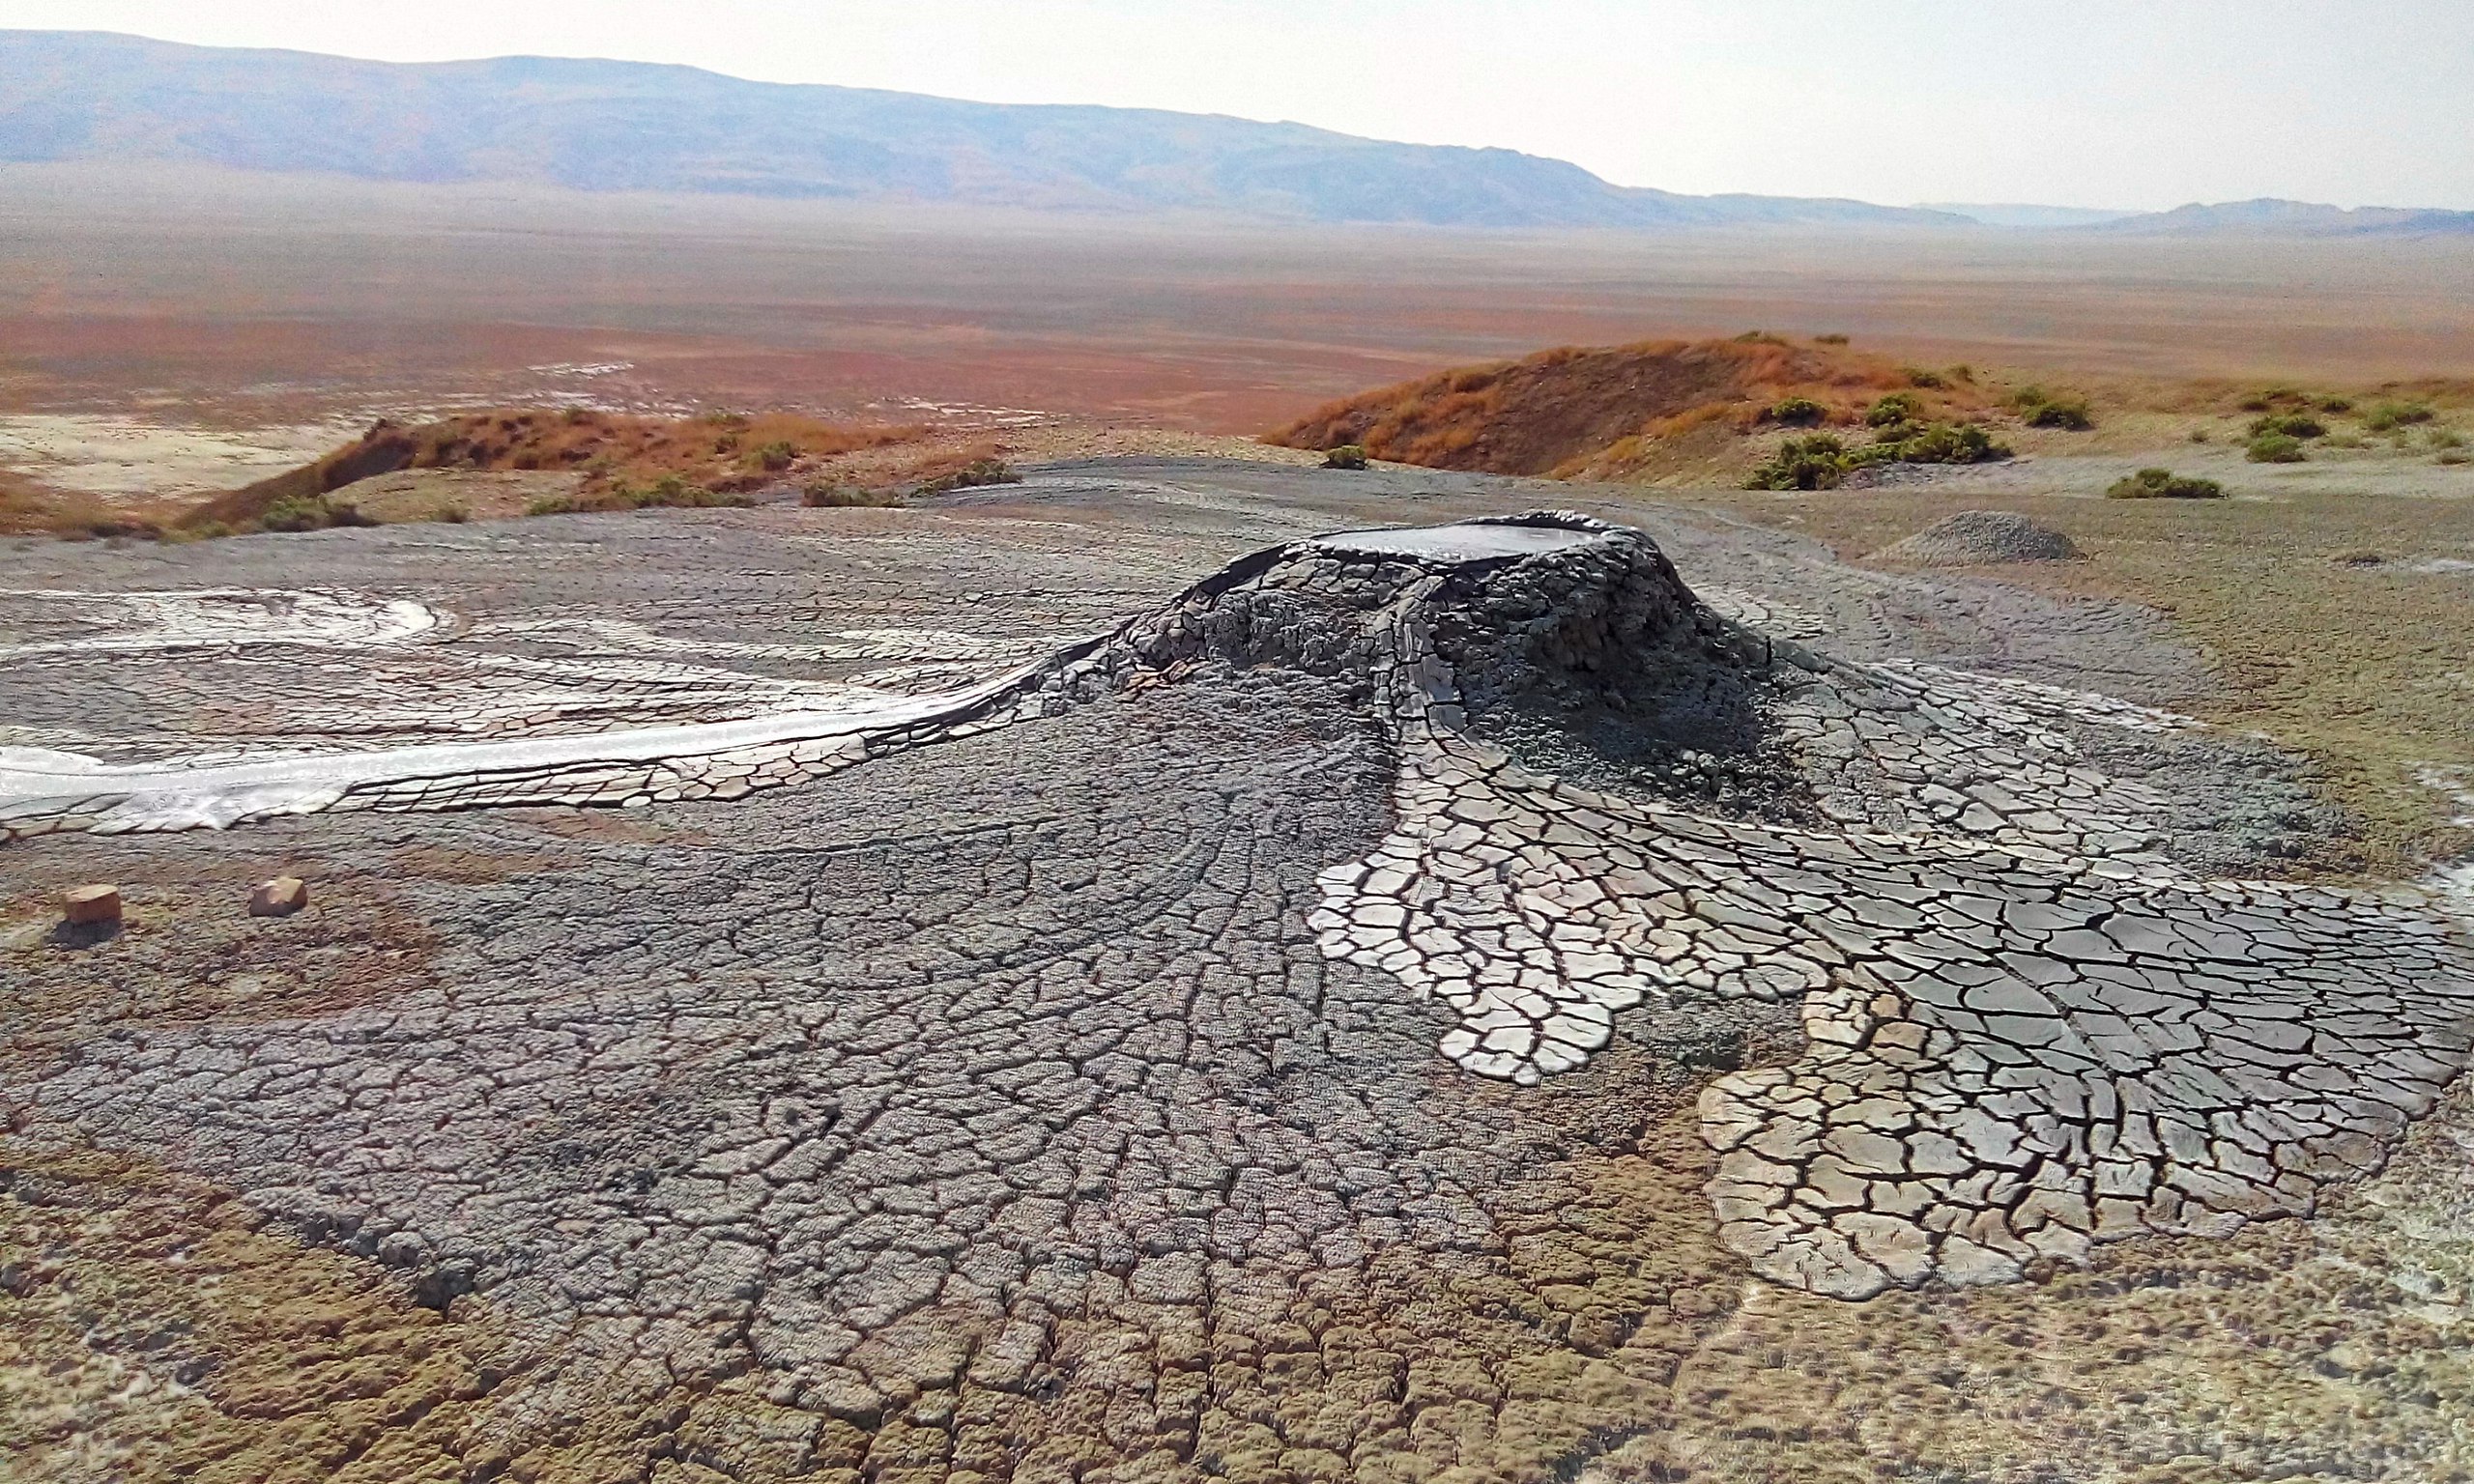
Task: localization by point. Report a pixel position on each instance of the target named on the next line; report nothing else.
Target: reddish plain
(250, 301)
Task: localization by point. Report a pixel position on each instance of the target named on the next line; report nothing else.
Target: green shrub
(1819, 461)
(1798, 412)
(2275, 448)
(2446, 437)
(976, 472)
(1893, 409)
(776, 456)
(1346, 456)
(1946, 442)
(834, 494)
(1815, 463)
(673, 492)
(1919, 376)
(2388, 415)
(2336, 403)
(669, 492)
(2291, 424)
(2069, 412)
(309, 512)
(2164, 484)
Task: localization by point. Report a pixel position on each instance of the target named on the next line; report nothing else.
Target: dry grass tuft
(28, 508)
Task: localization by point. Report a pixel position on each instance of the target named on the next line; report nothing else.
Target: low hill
(618, 457)
(1600, 412)
(626, 126)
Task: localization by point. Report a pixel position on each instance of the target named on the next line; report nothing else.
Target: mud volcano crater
(1572, 644)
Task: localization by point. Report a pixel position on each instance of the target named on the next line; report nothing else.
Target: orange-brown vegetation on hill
(1600, 412)
(30, 509)
(724, 453)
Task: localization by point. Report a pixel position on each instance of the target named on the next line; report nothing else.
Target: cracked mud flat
(1410, 1006)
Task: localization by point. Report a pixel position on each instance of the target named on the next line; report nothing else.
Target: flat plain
(262, 300)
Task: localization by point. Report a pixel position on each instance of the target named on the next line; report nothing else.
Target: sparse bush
(671, 492)
(776, 456)
(1963, 372)
(2450, 456)
(1832, 339)
(2042, 410)
(2336, 403)
(1946, 442)
(2255, 403)
(722, 419)
(834, 494)
(728, 442)
(2390, 416)
(2446, 437)
(2201, 436)
(2070, 413)
(674, 493)
(452, 515)
(2275, 448)
(1891, 410)
(976, 472)
(576, 417)
(2291, 424)
(1819, 461)
(2164, 484)
(1346, 456)
(1815, 463)
(1759, 337)
(1798, 412)
(1919, 376)
(309, 512)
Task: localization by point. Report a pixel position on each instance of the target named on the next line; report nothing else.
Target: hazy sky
(2087, 103)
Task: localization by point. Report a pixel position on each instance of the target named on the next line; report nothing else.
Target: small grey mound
(1980, 537)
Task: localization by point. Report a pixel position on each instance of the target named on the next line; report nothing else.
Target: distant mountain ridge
(70, 96)
(2019, 213)
(630, 126)
(2289, 219)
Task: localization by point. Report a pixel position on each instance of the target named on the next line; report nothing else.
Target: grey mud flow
(979, 996)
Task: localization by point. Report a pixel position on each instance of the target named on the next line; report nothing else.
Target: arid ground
(1138, 972)
(267, 302)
